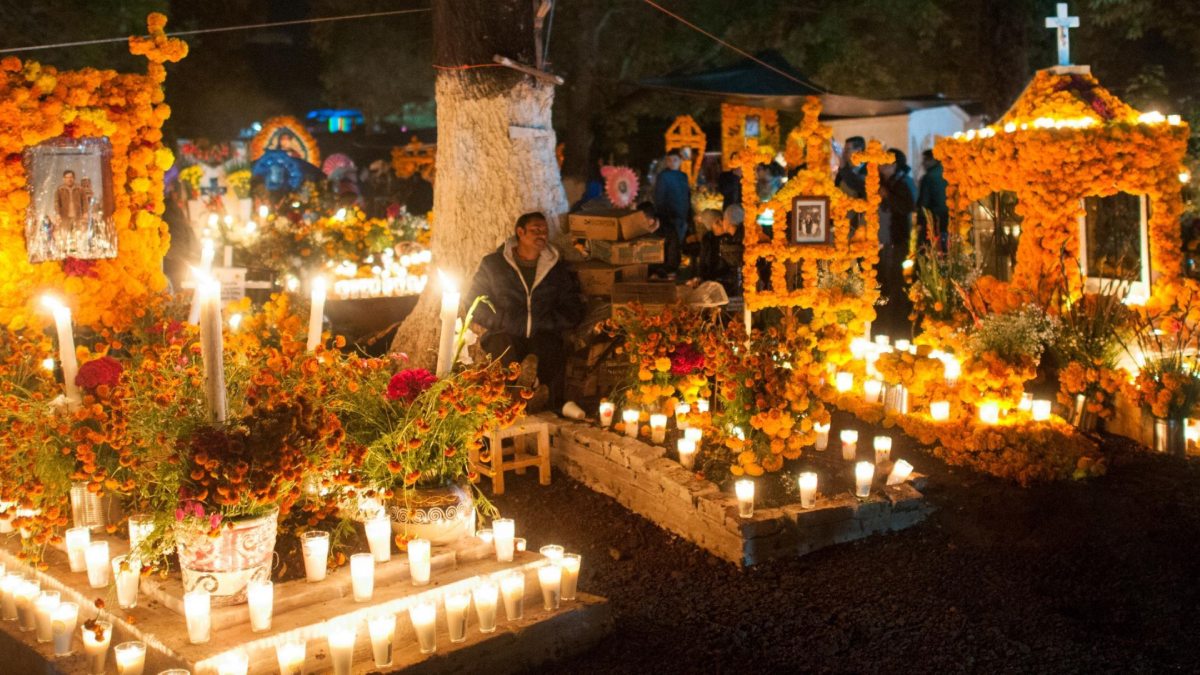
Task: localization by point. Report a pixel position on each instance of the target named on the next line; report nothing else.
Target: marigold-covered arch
(413, 158)
(685, 133)
(735, 136)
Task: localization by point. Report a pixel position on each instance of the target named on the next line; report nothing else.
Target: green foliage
(1015, 335)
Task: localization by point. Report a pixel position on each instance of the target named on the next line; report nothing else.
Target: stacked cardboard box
(617, 248)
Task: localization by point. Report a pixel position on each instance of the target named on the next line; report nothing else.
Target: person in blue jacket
(672, 202)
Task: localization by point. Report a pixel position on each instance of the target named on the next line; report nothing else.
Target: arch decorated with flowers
(685, 133)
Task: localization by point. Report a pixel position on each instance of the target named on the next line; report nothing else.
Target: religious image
(810, 221)
(71, 205)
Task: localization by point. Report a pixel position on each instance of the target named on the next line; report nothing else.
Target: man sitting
(535, 298)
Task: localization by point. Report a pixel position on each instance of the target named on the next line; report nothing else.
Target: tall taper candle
(66, 345)
(450, 300)
(212, 346)
(316, 314)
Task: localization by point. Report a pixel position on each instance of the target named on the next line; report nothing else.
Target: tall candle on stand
(66, 345)
(316, 314)
(450, 301)
(212, 347)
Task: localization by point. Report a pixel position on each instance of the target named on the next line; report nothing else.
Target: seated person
(721, 249)
(535, 298)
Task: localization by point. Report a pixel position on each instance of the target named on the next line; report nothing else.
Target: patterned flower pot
(442, 515)
(242, 551)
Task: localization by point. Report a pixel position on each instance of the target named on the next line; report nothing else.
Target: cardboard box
(609, 225)
(597, 278)
(639, 251)
(650, 294)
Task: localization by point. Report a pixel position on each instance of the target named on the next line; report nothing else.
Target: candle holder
(87, 507)
(424, 620)
(1041, 411)
(631, 419)
(864, 473)
(520, 544)
(687, 453)
(43, 609)
(570, 564)
(9, 585)
(382, 629)
(883, 449)
(486, 594)
(512, 587)
(126, 572)
(197, 610)
(901, 471)
(457, 605)
(141, 526)
(96, 556)
(76, 540)
(130, 657)
(989, 412)
(658, 428)
(26, 594)
(233, 663)
(844, 382)
(362, 576)
(63, 621)
(340, 636)
(849, 439)
(822, 441)
(379, 538)
(96, 639)
(682, 410)
(939, 411)
(744, 489)
(607, 409)
(504, 531)
(552, 552)
(418, 561)
(872, 389)
(486, 535)
(289, 656)
(315, 545)
(260, 598)
(550, 577)
(895, 399)
(808, 489)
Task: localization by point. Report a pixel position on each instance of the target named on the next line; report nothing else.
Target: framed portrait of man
(70, 213)
(809, 224)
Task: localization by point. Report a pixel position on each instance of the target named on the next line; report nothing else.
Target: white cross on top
(1064, 24)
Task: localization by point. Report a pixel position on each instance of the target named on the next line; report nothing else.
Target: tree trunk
(495, 155)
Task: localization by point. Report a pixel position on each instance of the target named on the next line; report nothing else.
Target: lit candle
(212, 346)
(822, 442)
(43, 611)
(1041, 411)
(658, 428)
(315, 544)
(520, 543)
(570, 564)
(808, 490)
(989, 412)
(63, 627)
(864, 473)
(450, 301)
(96, 556)
(418, 561)
(849, 444)
(424, 621)
(485, 535)
(77, 540)
(1026, 403)
(844, 382)
(130, 658)
(316, 313)
(900, 472)
(263, 211)
(504, 529)
(550, 577)
(290, 657)
(693, 434)
(701, 405)
(681, 412)
(341, 635)
(362, 576)
(951, 368)
(883, 449)
(126, 572)
(233, 663)
(607, 408)
(882, 340)
(552, 552)
(687, 452)
(26, 594)
(630, 418)
(902, 345)
(260, 597)
(379, 538)
(512, 586)
(457, 605)
(871, 390)
(486, 594)
(141, 526)
(382, 629)
(8, 595)
(96, 639)
(197, 609)
(744, 489)
(939, 411)
(66, 345)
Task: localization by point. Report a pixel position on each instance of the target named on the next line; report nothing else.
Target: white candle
(418, 561)
(126, 572)
(883, 449)
(449, 314)
(212, 346)
(504, 529)
(849, 444)
(882, 340)
(552, 552)
(362, 576)
(606, 413)
(66, 345)
(951, 368)
(630, 418)
(687, 452)
(808, 490)
(260, 598)
(570, 564)
(77, 540)
(701, 405)
(693, 434)
(1041, 411)
(43, 611)
(871, 390)
(227, 258)
(95, 645)
(512, 586)
(1026, 403)
(864, 473)
(379, 538)
(96, 556)
(550, 577)
(130, 658)
(939, 411)
(822, 442)
(63, 627)
(316, 314)
(658, 428)
(424, 620)
(290, 657)
(486, 594)
(457, 605)
(902, 345)
(315, 544)
(844, 382)
(900, 472)
(341, 636)
(989, 412)
(485, 535)
(141, 526)
(382, 629)
(520, 543)
(8, 595)
(744, 489)
(233, 663)
(682, 410)
(197, 609)
(26, 594)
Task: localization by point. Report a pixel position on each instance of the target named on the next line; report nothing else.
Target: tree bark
(495, 154)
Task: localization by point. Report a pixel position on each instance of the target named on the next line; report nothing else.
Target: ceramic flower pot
(442, 515)
(242, 551)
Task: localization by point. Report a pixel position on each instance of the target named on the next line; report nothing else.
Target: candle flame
(52, 302)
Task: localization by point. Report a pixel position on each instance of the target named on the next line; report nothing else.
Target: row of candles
(389, 276)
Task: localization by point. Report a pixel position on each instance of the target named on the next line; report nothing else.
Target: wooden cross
(1063, 24)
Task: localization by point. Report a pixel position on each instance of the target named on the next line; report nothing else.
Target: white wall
(912, 133)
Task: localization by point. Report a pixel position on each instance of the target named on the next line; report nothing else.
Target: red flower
(102, 371)
(74, 267)
(685, 360)
(407, 385)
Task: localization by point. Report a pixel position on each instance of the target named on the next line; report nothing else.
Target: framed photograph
(752, 126)
(810, 221)
(70, 212)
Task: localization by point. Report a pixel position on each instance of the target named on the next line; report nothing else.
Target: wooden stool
(520, 457)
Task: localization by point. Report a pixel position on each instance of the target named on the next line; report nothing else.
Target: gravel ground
(1076, 577)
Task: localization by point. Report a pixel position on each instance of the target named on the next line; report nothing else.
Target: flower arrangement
(936, 292)
(1017, 336)
(1163, 339)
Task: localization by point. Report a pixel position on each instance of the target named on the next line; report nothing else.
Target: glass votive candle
(130, 657)
(552, 552)
(26, 594)
(606, 413)
(1026, 403)
(883, 449)
(844, 381)
(550, 577)
(8, 595)
(98, 565)
(687, 452)
(486, 535)
(744, 489)
(141, 526)
(289, 656)
(1041, 411)
(682, 410)
(882, 340)
(486, 595)
(939, 411)
(197, 609)
(63, 621)
(693, 434)
(849, 444)
(418, 561)
(903, 345)
(315, 545)
(362, 576)
(864, 473)
(96, 639)
(822, 442)
(504, 530)
(233, 663)
(701, 405)
(630, 418)
(379, 538)
(570, 564)
(512, 587)
(126, 573)
(457, 606)
(260, 598)
(808, 489)
(43, 610)
(951, 368)
(520, 544)
(871, 390)
(424, 620)
(76, 540)
(658, 428)
(341, 635)
(382, 629)
(901, 470)
(989, 412)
